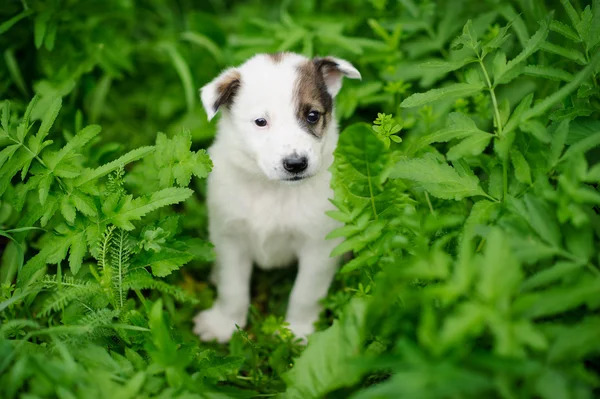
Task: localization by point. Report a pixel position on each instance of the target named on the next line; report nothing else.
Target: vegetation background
(466, 176)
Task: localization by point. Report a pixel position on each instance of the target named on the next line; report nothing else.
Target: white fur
(254, 215)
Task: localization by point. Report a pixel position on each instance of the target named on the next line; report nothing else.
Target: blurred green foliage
(466, 177)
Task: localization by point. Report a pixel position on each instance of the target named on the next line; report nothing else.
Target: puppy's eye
(260, 122)
(313, 117)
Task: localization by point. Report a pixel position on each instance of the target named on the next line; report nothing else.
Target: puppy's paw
(302, 330)
(213, 324)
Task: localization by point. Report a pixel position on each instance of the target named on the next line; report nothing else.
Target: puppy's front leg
(315, 272)
(232, 277)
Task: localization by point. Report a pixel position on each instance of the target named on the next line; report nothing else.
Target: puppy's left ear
(221, 91)
(333, 70)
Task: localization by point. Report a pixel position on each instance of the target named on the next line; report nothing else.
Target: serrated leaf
(547, 72)
(77, 252)
(537, 130)
(164, 262)
(564, 91)
(84, 203)
(92, 174)
(570, 53)
(533, 44)
(67, 209)
(522, 170)
(439, 179)
(48, 121)
(135, 209)
(447, 66)
(459, 126)
(582, 146)
(44, 188)
(471, 146)
(77, 142)
(570, 10)
(7, 153)
(433, 95)
(564, 30)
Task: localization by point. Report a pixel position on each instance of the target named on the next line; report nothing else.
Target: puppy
(269, 188)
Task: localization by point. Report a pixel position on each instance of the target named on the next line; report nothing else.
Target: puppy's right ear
(220, 91)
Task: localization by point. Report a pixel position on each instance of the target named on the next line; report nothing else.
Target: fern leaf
(71, 290)
(142, 280)
(120, 254)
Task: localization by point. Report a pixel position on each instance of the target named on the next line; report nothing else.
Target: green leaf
(533, 44)
(459, 126)
(564, 91)
(557, 272)
(547, 72)
(92, 174)
(7, 153)
(327, 362)
(564, 30)
(164, 262)
(214, 368)
(77, 252)
(447, 66)
(204, 42)
(67, 209)
(176, 163)
(47, 122)
(570, 53)
(439, 179)
(570, 10)
(500, 274)
(183, 71)
(577, 341)
(471, 146)
(450, 91)
(537, 130)
(522, 170)
(582, 146)
(76, 143)
(44, 188)
(135, 209)
(5, 26)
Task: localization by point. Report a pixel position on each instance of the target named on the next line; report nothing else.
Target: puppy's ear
(221, 91)
(333, 70)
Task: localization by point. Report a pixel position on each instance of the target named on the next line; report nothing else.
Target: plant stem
(493, 95)
(37, 158)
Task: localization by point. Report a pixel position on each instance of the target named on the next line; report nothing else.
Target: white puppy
(269, 189)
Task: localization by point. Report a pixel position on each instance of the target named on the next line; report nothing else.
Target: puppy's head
(277, 112)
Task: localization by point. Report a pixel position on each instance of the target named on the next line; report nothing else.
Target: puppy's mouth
(296, 178)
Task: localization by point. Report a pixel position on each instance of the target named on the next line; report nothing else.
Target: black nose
(295, 164)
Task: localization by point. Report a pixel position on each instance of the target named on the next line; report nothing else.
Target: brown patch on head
(276, 57)
(311, 95)
(227, 88)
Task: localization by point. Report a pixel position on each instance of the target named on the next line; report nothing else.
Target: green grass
(466, 177)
